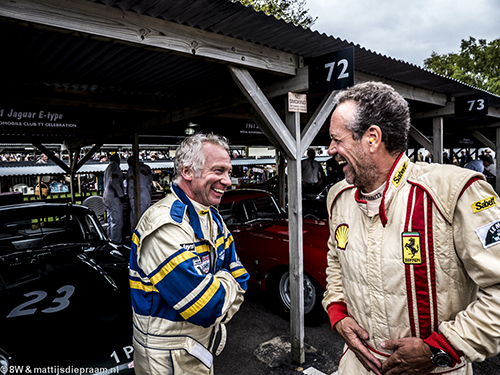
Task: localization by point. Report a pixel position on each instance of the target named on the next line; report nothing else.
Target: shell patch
(342, 236)
(489, 234)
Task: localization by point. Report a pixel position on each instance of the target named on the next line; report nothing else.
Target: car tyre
(313, 295)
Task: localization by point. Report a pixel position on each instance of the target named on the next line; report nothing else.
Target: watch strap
(438, 340)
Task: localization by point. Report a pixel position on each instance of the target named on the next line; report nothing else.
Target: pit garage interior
(87, 73)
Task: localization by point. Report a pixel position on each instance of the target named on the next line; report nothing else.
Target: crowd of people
(98, 156)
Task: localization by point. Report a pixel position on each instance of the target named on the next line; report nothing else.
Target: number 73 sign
(333, 71)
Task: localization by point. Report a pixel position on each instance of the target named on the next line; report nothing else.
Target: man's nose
(226, 180)
(332, 149)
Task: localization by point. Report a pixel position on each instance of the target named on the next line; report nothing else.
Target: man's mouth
(340, 160)
(218, 190)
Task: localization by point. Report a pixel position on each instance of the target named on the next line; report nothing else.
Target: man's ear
(187, 173)
(373, 136)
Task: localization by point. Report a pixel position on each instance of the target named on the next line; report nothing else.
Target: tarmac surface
(258, 343)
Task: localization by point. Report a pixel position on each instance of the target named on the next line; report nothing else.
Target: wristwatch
(440, 358)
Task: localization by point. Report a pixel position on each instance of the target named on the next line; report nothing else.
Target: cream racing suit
(186, 280)
(427, 265)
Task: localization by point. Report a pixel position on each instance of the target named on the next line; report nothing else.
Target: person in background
(114, 197)
(43, 159)
(413, 284)
(313, 176)
(480, 163)
(146, 179)
(185, 277)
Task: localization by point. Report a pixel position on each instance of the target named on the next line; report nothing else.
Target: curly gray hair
(379, 104)
(190, 154)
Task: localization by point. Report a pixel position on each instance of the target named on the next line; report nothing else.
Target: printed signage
(332, 71)
(41, 119)
(250, 128)
(471, 105)
(297, 102)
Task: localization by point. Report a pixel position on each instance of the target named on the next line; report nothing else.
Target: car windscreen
(26, 229)
(243, 211)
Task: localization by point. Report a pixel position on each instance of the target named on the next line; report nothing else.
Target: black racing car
(64, 292)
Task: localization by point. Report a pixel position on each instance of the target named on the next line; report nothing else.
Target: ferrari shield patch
(412, 252)
(489, 234)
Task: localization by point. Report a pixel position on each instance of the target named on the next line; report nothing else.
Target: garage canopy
(87, 72)
(84, 73)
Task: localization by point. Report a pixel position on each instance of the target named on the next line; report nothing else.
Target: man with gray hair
(413, 284)
(185, 277)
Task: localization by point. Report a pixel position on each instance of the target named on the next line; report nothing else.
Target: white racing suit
(145, 179)
(113, 191)
(427, 265)
(185, 283)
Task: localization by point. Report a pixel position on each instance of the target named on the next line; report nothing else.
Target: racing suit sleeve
(476, 225)
(185, 281)
(333, 300)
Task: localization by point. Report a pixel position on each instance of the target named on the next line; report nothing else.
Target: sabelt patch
(484, 204)
(398, 177)
(412, 252)
(342, 236)
(489, 234)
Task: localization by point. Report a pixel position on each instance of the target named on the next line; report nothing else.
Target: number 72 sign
(333, 71)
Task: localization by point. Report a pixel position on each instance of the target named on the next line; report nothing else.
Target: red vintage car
(260, 230)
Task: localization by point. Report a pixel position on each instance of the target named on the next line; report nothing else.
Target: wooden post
(497, 160)
(280, 170)
(137, 181)
(437, 151)
(295, 231)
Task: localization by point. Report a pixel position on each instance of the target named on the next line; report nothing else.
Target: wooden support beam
(437, 130)
(317, 120)
(485, 141)
(497, 161)
(73, 160)
(52, 156)
(137, 180)
(407, 91)
(130, 27)
(420, 138)
(295, 237)
(447, 110)
(265, 110)
(88, 155)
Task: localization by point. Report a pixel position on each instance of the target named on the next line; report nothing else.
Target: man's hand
(353, 336)
(411, 356)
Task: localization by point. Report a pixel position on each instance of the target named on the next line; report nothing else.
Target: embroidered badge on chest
(412, 252)
(202, 265)
(489, 234)
(342, 236)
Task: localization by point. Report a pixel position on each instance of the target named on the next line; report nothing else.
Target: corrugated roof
(136, 77)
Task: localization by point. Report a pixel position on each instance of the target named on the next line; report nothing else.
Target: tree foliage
(294, 11)
(477, 64)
